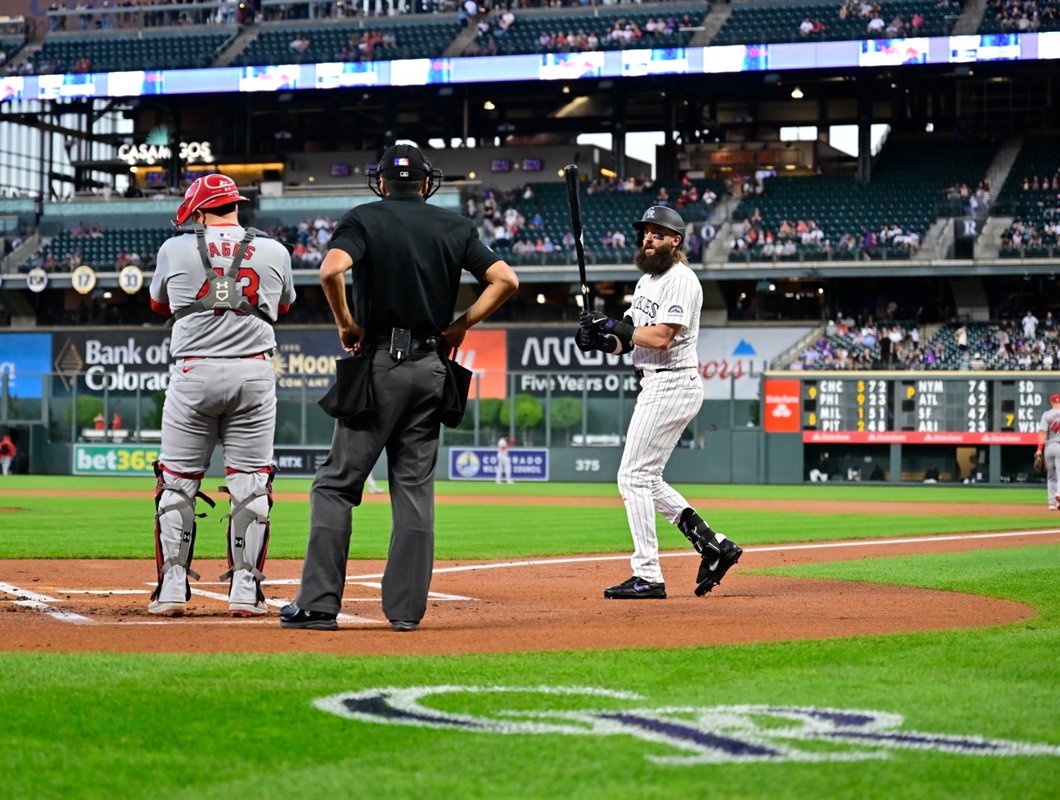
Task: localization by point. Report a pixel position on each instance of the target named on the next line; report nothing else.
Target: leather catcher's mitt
(1039, 462)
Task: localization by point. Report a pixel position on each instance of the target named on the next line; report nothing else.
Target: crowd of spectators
(1038, 226)
(875, 17)
(308, 239)
(1024, 16)
(136, 14)
(621, 33)
(847, 343)
(963, 200)
(367, 46)
(805, 236)
(850, 343)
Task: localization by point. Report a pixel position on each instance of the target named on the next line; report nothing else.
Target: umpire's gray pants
(406, 423)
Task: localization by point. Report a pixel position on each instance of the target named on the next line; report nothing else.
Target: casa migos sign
(144, 153)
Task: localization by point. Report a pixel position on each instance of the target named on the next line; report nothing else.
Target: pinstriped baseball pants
(667, 403)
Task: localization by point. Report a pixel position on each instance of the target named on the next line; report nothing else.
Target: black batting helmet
(664, 217)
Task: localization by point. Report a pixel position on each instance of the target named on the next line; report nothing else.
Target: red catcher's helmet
(209, 191)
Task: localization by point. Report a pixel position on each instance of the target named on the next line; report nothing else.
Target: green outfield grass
(225, 726)
(103, 725)
(101, 527)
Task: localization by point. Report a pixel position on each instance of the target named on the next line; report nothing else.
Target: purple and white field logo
(694, 734)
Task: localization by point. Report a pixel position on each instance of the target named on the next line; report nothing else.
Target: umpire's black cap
(403, 162)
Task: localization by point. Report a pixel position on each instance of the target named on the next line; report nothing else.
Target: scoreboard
(909, 407)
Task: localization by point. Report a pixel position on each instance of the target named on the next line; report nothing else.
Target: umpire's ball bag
(457, 387)
(351, 395)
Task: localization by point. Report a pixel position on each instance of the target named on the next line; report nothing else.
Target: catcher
(1047, 457)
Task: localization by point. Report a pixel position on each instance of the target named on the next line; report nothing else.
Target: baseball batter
(661, 329)
(1049, 446)
(221, 389)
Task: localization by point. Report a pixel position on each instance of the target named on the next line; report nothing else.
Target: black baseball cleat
(714, 565)
(291, 616)
(404, 625)
(636, 589)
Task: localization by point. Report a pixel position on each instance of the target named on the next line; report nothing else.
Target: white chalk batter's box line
(43, 603)
(47, 605)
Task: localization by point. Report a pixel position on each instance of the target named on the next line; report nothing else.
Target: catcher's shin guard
(248, 532)
(175, 529)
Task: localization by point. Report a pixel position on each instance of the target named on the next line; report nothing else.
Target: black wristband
(624, 331)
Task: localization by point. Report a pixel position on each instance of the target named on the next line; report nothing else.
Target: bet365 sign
(114, 459)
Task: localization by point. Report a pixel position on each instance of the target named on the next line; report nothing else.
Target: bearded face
(654, 257)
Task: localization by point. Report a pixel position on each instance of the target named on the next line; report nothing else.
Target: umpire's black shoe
(291, 616)
(636, 589)
(714, 565)
(404, 625)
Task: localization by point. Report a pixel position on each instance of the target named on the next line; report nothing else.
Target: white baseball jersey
(674, 297)
(1051, 425)
(264, 275)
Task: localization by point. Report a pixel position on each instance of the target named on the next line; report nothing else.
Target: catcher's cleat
(636, 589)
(291, 616)
(256, 609)
(161, 608)
(714, 565)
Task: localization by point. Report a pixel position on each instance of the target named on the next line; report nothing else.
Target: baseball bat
(570, 175)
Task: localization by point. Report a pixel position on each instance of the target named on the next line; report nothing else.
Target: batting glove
(587, 339)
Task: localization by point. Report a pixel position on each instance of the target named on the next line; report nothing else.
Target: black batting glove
(593, 320)
(587, 339)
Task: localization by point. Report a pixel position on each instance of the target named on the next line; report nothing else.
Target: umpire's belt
(640, 372)
(428, 344)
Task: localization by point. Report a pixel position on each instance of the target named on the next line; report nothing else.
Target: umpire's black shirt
(407, 258)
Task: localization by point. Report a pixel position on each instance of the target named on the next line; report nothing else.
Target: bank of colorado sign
(130, 361)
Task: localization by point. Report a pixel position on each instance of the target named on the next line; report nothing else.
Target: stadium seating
(523, 36)
(1032, 209)
(1005, 17)
(907, 185)
(330, 42)
(984, 340)
(756, 22)
(101, 252)
(184, 50)
(603, 211)
(9, 46)
(859, 348)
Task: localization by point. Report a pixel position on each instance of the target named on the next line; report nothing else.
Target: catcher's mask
(404, 162)
(664, 217)
(209, 191)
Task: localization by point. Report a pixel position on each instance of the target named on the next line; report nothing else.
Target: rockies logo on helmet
(662, 216)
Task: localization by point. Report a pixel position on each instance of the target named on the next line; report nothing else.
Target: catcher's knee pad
(175, 526)
(698, 532)
(248, 522)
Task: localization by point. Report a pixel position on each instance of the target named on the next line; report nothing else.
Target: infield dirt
(491, 607)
